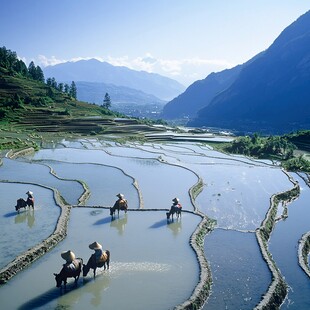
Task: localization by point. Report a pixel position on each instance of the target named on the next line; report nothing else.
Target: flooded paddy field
(151, 266)
(153, 262)
(284, 247)
(26, 229)
(237, 254)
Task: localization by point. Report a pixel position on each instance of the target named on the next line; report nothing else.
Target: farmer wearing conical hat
(30, 199)
(176, 207)
(120, 204)
(97, 247)
(71, 262)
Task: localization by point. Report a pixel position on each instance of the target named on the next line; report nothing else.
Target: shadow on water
(11, 214)
(175, 225)
(47, 297)
(119, 223)
(159, 224)
(105, 220)
(70, 296)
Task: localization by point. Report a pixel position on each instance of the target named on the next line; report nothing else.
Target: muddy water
(152, 266)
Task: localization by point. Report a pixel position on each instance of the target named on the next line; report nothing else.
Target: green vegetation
(301, 139)
(32, 111)
(273, 147)
(276, 147)
(107, 101)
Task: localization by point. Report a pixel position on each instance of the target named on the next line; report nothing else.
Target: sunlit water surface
(152, 265)
(235, 254)
(19, 232)
(284, 246)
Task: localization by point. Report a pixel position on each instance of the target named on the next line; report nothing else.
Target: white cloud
(44, 61)
(185, 71)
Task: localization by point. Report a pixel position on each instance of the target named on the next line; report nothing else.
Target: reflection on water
(37, 173)
(119, 223)
(152, 266)
(175, 226)
(284, 249)
(149, 269)
(95, 287)
(240, 276)
(104, 182)
(19, 232)
(27, 215)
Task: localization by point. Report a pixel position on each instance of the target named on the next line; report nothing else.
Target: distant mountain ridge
(96, 71)
(94, 93)
(128, 101)
(199, 94)
(270, 94)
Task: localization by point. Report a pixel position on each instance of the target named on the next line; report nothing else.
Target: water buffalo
(93, 264)
(174, 210)
(22, 203)
(72, 270)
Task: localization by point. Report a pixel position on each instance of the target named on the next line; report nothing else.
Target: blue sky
(182, 39)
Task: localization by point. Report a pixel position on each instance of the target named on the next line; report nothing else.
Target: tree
(7, 58)
(32, 70)
(61, 87)
(39, 74)
(73, 90)
(49, 81)
(21, 68)
(106, 101)
(66, 88)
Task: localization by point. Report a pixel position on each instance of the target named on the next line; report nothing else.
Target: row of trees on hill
(63, 87)
(10, 62)
(274, 147)
(257, 146)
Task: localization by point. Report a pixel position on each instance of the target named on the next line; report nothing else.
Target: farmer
(71, 263)
(120, 204)
(30, 199)
(175, 208)
(97, 256)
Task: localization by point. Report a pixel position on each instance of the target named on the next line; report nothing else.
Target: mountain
(102, 72)
(199, 94)
(32, 112)
(125, 100)
(272, 93)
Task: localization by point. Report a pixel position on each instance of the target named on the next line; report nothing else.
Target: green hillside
(31, 111)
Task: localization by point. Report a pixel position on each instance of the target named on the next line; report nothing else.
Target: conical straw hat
(68, 256)
(95, 246)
